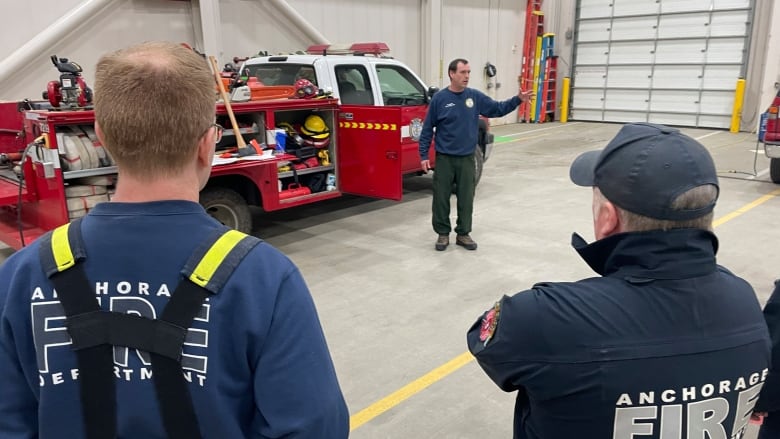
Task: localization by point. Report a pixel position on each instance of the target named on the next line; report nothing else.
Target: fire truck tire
(228, 207)
(774, 170)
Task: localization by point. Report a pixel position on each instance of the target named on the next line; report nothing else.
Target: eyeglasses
(218, 132)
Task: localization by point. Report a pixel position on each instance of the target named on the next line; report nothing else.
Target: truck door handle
(391, 155)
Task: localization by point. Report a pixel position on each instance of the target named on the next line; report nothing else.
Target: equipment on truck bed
(70, 91)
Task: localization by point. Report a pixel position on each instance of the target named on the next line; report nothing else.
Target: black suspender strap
(94, 331)
(178, 413)
(96, 363)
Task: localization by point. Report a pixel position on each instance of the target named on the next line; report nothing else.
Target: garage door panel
(589, 99)
(590, 76)
(717, 102)
(721, 77)
(725, 50)
(630, 100)
(635, 7)
(685, 6)
(629, 76)
(688, 120)
(677, 77)
(592, 53)
(674, 101)
(731, 4)
(625, 116)
(683, 26)
(595, 8)
(730, 23)
(588, 115)
(595, 30)
(670, 51)
(710, 121)
(635, 52)
(702, 5)
(633, 28)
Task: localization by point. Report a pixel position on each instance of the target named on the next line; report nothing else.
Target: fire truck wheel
(227, 207)
(774, 170)
(479, 161)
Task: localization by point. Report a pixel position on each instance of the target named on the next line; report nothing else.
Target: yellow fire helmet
(288, 128)
(315, 127)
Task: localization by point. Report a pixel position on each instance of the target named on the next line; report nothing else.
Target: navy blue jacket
(666, 340)
(770, 396)
(256, 360)
(455, 117)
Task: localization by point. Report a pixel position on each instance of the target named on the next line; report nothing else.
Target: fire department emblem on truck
(415, 128)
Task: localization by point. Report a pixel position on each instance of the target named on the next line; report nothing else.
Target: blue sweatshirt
(455, 117)
(256, 360)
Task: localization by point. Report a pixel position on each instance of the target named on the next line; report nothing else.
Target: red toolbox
(294, 190)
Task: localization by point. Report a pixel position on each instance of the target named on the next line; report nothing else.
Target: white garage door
(673, 62)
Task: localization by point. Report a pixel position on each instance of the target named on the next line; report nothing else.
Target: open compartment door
(369, 151)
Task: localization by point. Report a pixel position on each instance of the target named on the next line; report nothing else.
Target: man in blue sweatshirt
(454, 114)
(148, 318)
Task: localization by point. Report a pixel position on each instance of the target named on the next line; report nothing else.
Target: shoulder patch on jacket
(489, 323)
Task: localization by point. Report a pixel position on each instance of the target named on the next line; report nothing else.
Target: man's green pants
(457, 170)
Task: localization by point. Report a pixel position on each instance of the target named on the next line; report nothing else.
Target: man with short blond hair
(148, 318)
(665, 343)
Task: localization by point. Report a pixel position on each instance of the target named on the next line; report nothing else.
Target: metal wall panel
(680, 58)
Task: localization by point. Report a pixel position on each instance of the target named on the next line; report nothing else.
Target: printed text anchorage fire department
(49, 332)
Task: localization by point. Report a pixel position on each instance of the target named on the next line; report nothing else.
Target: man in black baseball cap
(665, 342)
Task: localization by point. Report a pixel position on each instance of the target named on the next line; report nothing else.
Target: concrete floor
(393, 309)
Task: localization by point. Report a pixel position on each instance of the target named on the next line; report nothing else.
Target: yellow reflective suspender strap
(60, 248)
(230, 248)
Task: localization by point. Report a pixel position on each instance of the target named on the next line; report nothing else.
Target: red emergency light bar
(335, 49)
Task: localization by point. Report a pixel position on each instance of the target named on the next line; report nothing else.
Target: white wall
(247, 26)
(481, 31)
(478, 30)
(128, 22)
(253, 25)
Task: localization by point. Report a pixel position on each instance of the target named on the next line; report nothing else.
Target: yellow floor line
(731, 215)
(408, 390)
(416, 386)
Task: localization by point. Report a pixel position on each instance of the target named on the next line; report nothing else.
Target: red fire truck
(56, 170)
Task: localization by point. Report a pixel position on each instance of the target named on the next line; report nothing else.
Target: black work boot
(442, 242)
(466, 242)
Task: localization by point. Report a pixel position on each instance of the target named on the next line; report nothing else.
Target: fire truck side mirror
(431, 91)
